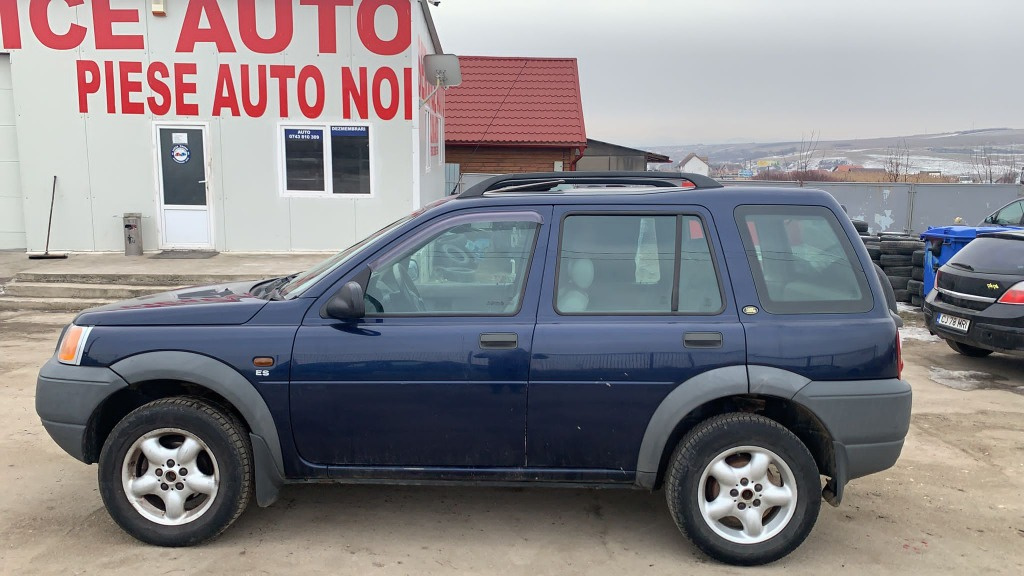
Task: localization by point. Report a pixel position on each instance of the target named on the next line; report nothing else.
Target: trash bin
(132, 234)
(948, 240)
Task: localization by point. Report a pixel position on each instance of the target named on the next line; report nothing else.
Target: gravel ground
(953, 504)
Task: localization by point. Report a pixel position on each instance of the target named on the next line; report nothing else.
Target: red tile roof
(525, 101)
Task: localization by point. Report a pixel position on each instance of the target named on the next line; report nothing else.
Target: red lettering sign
(250, 36)
(103, 19)
(191, 34)
(10, 27)
(367, 27)
(38, 18)
(327, 24)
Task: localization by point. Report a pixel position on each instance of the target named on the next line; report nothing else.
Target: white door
(184, 201)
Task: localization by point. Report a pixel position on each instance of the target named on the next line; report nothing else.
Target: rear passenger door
(633, 306)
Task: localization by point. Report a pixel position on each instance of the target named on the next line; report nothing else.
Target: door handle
(202, 182)
(499, 340)
(702, 340)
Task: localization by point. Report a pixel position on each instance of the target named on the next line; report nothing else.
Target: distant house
(602, 157)
(694, 164)
(515, 115)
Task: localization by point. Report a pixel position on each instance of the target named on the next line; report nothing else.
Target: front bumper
(868, 421)
(67, 397)
(997, 328)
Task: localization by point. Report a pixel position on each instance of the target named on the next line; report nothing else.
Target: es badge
(180, 153)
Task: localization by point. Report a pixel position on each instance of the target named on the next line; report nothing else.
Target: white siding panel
(11, 219)
(253, 213)
(12, 210)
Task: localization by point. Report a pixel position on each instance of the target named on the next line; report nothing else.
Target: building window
(326, 160)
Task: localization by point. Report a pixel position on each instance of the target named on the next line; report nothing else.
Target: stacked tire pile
(901, 257)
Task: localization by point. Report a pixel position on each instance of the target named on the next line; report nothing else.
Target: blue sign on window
(350, 130)
(303, 134)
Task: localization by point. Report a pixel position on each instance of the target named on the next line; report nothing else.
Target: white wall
(12, 220)
(106, 163)
(696, 166)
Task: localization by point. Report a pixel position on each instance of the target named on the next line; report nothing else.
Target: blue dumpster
(952, 239)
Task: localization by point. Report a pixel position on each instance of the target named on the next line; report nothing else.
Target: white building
(694, 165)
(231, 125)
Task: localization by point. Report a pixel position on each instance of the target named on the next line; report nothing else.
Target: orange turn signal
(71, 346)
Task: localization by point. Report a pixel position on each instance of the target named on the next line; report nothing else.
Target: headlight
(72, 345)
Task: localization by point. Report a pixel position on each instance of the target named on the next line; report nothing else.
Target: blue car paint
(353, 396)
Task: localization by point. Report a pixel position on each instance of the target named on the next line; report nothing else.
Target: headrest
(581, 272)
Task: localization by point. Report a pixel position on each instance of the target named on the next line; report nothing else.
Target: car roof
(1009, 234)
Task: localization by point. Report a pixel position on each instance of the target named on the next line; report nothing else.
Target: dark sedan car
(978, 302)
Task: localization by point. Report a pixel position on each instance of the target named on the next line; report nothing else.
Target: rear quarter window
(802, 261)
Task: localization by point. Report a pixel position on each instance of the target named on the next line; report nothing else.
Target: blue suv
(731, 346)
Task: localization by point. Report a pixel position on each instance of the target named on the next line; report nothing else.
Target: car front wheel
(176, 472)
(743, 488)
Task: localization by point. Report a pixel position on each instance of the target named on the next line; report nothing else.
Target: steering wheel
(405, 283)
(455, 255)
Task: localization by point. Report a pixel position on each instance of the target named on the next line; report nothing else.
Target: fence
(888, 207)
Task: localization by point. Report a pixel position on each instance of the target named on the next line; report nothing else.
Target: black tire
(874, 251)
(706, 443)
(915, 287)
(888, 260)
(899, 282)
(898, 271)
(902, 295)
(901, 246)
(890, 296)
(916, 300)
(968, 350)
(861, 226)
(917, 273)
(895, 237)
(224, 447)
(917, 258)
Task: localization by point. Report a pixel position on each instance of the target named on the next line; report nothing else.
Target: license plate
(954, 322)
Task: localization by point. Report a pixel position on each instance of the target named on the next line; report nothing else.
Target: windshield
(303, 281)
(992, 256)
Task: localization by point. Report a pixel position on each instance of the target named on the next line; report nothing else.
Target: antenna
(445, 70)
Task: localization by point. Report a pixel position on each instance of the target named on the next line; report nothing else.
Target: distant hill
(952, 153)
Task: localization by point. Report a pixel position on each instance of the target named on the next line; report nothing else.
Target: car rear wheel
(176, 472)
(743, 488)
(968, 350)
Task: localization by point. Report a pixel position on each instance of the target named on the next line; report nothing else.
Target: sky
(662, 72)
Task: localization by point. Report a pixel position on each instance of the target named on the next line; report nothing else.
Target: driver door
(436, 373)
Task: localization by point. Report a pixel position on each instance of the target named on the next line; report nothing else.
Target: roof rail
(546, 181)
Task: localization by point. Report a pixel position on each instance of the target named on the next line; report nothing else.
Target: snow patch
(958, 379)
(917, 333)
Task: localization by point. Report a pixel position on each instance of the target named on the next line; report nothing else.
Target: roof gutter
(572, 165)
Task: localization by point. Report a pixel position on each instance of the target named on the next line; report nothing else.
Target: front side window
(1010, 215)
(468, 265)
(326, 160)
(802, 260)
(635, 264)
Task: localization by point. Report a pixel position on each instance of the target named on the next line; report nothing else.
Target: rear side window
(635, 264)
(802, 261)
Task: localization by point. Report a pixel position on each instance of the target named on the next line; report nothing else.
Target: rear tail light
(72, 345)
(1015, 295)
(899, 356)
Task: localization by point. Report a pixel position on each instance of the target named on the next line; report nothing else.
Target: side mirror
(346, 304)
(989, 219)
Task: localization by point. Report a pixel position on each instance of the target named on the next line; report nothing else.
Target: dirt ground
(953, 504)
